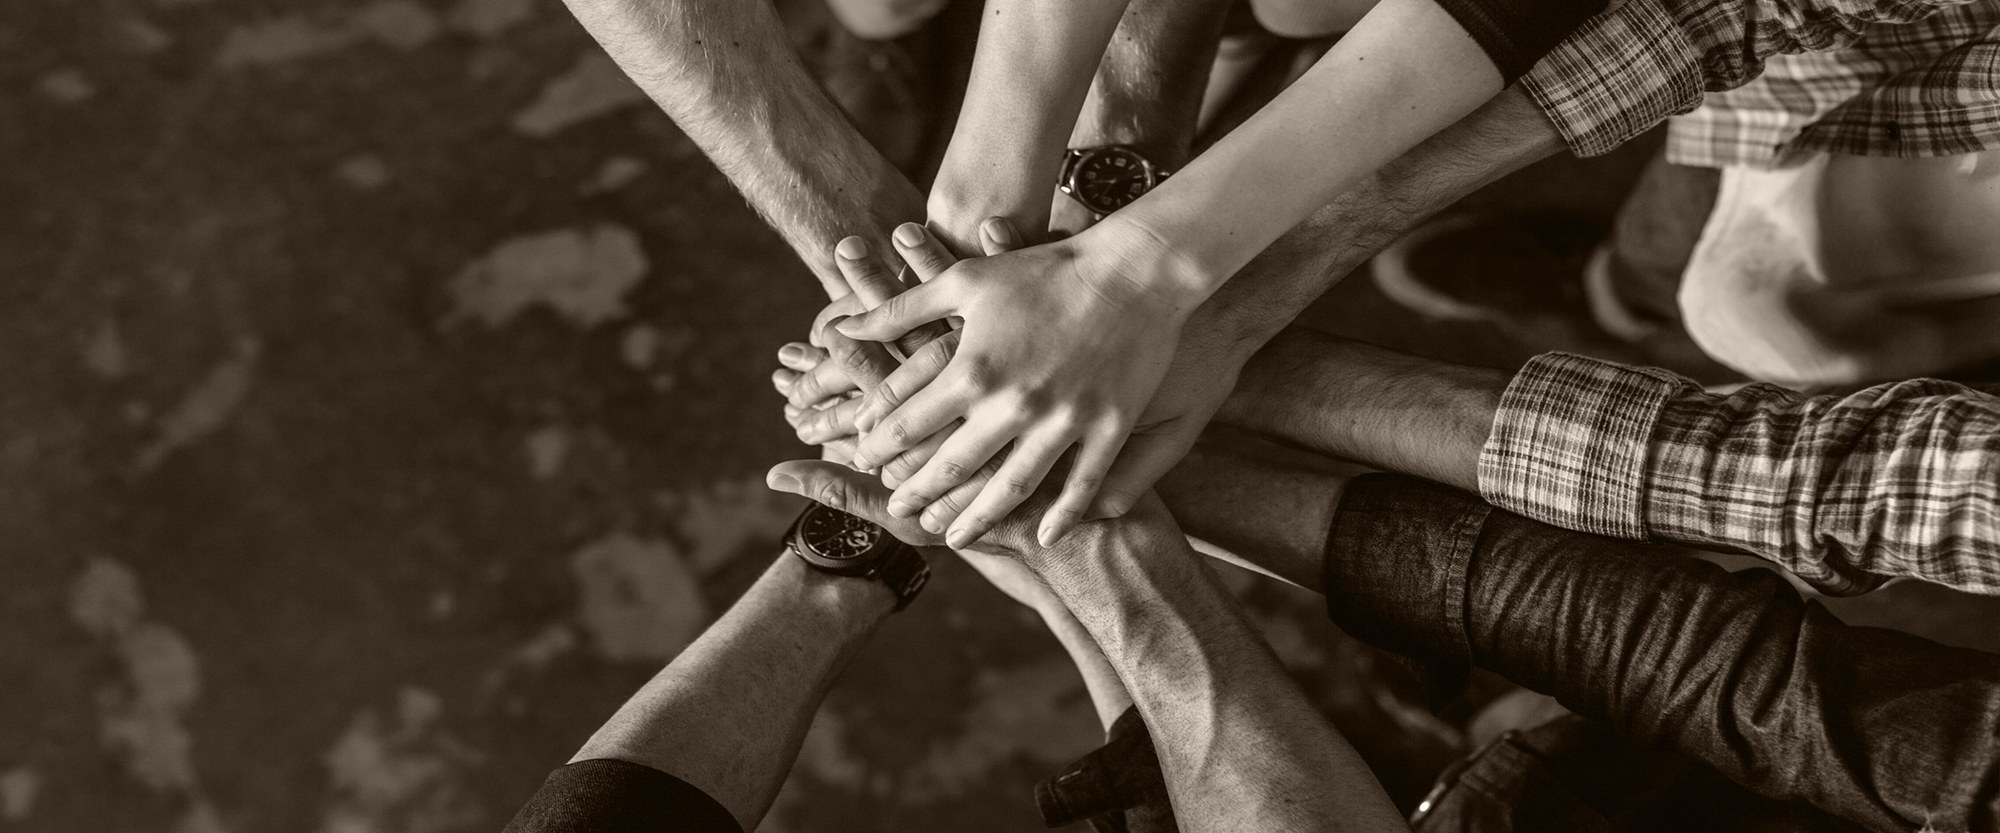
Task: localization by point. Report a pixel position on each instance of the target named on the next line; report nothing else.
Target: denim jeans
(1732, 670)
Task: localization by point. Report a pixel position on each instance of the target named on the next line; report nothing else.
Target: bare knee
(1309, 18)
(884, 19)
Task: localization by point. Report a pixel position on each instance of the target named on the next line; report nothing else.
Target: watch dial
(1111, 178)
(838, 535)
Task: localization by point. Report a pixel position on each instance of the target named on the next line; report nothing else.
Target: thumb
(902, 313)
(838, 487)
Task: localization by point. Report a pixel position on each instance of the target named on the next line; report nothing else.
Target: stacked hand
(1063, 344)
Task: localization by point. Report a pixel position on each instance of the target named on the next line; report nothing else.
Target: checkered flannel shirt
(1867, 77)
(1845, 492)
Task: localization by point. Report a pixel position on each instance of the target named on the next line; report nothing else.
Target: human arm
(1504, 135)
(728, 75)
(1880, 727)
(726, 716)
(1630, 68)
(1030, 73)
(1844, 491)
(1148, 91)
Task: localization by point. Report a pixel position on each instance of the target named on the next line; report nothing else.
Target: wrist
(1288, 391)
(850, 604)
(1085, 561)
(1164, 275)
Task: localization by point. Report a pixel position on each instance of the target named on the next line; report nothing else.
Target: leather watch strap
(904, 571)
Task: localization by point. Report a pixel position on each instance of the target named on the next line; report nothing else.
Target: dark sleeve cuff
(1396, 566)
(610, 796)
(1122, 774)
(1515, 34)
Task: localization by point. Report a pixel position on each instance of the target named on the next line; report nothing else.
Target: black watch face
(837, 536)
(1108, 179)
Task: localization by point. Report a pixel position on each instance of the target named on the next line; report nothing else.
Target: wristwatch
(832, 541)
(1108, 177)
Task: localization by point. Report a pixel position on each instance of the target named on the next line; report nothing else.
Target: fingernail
(910, 234)
(791, 352)
(958, 539)
(853, 248)
(782, 482)
(1054, 528)
(902, 509)
(931, 525)
(999, 231)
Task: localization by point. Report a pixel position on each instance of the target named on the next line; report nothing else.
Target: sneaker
(1508, 270)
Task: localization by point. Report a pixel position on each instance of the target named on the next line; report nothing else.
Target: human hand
(820, 380)
(1064, 344)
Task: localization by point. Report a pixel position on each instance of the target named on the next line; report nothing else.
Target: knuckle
(951, 471)
(848, 353)
(979, 376)
(887, 395)
(1015, 487)
(1031, 400)
(949, 504)
(806, 391)
(903, 466)
(830, 493)
(899, 432)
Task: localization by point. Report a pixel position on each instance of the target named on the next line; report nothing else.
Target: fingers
(914, 308)
(799, 356)
(815, 386)
(1147, 458)
(925, 254)
(838, 487)
(922, 415)
(908, 463)
(1027, 464)
(819, 426)
(968, 449)
(871, 281)
(844, 306)
(997, 236)
(864, 363)
(923, 367)
(1095, 455)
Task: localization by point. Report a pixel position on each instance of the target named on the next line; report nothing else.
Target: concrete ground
(383, 397)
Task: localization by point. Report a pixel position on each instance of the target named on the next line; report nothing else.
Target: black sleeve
(1517, 33)
(1118, 787)
(607, 796)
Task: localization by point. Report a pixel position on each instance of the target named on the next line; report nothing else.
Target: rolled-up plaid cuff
(1570, 443)
(1623, 72)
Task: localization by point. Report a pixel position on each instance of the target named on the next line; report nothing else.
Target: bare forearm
(1029, 77)
(1503, 136)
(730, 78)
(728, 714)
(1407, 71)
(1149, 86)
(1240, 747)
(1374, 406)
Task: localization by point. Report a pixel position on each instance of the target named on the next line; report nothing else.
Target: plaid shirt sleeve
(1644, 60)
(1845, 492)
